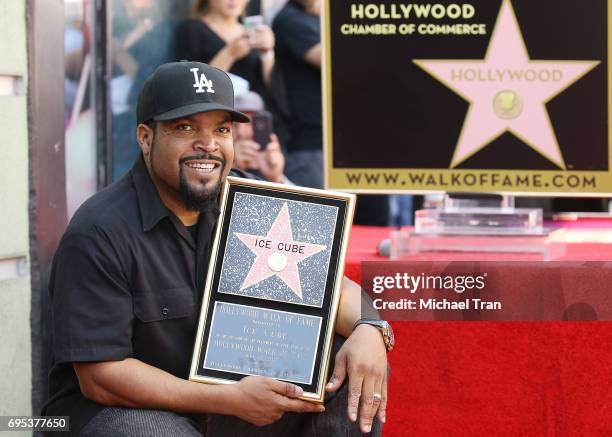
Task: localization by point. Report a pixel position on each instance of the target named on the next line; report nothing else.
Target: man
(298, 52)
(127, 281)
(268, 163)
(298, 49)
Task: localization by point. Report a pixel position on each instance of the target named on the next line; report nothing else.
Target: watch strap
(383, 327)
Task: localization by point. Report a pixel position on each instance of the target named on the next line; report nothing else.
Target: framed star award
(273, 286)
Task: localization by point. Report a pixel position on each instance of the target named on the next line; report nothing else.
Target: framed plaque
(273, 286)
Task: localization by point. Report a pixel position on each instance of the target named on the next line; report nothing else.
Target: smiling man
(127, 283)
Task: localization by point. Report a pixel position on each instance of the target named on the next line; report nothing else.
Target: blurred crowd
(272, 51)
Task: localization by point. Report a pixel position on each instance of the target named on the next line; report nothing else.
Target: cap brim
(197, 108)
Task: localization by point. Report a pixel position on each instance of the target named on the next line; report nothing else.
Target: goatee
(194, 199)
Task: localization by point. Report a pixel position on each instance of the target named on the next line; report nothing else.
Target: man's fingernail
(367, 428)
(383, 418)
(321, 408)
(353, 417)
(298, 390)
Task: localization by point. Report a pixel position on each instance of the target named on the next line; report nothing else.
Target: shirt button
(165, 311)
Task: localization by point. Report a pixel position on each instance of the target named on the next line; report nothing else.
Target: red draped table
(499, 378)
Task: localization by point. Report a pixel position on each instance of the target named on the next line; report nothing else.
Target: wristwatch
(385, 329)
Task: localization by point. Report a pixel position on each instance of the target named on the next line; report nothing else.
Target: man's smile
(203, 166)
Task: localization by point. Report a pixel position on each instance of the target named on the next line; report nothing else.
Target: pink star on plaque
(277, 253)
(507, 91)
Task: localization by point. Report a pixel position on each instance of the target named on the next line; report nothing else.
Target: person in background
(143, 38)
(269, 8)
(268, 163)
(298, 52)
(217, 37)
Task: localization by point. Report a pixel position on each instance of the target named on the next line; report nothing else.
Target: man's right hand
(261, 401)
(134, 384)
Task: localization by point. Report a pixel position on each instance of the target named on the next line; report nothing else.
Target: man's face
(243, 131)
(188, 158)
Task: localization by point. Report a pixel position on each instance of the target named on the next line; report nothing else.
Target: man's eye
(225, 130)
(184, 127)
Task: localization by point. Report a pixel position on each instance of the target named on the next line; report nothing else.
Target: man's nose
(206, 143)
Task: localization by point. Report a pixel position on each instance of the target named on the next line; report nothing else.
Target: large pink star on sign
(507, 91)
(277, 253)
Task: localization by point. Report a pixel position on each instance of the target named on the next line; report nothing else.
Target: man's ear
(144, 137)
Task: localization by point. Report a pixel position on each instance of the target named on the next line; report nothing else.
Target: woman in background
(217, 37)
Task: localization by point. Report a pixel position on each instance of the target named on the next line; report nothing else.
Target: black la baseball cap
(179, 89)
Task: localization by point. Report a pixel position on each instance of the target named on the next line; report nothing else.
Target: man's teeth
(204, 168)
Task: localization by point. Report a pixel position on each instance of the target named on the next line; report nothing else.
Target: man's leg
(305, 168)
(333, 422)
(130, 422)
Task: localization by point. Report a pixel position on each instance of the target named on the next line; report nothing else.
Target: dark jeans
(127, 422)
(305, 168)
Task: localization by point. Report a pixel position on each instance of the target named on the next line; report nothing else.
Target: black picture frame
(278, 329)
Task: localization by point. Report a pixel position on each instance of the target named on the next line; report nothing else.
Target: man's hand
(363, 357)
(271, 161)
(134, 384)
(245, 154)
(261, 401)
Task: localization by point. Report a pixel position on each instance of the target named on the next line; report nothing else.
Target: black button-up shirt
(127, 281)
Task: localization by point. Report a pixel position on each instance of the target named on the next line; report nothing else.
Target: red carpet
(501, 379)
(551, 379)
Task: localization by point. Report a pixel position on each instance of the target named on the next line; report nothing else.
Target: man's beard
(203, 199)
(193, 199)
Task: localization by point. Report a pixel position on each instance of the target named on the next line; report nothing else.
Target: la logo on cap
(201, 82)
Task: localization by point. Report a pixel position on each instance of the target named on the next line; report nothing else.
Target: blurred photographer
(256, 147)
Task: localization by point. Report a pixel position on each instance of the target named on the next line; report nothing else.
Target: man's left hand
(363, 357)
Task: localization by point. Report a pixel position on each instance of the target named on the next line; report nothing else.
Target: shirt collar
(152, 209)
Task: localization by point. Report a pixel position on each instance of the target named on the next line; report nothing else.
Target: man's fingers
(289, 392)
(371, 398)
(287, 389)
(354, 394)
(248, 152)
(300, 406)
(338, 375)
(247, 163)
(382, 408)
(273, 144)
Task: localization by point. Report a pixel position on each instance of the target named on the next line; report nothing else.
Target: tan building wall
(15, 288)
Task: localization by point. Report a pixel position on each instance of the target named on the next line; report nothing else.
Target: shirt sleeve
(297, 35)
(91, 301)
